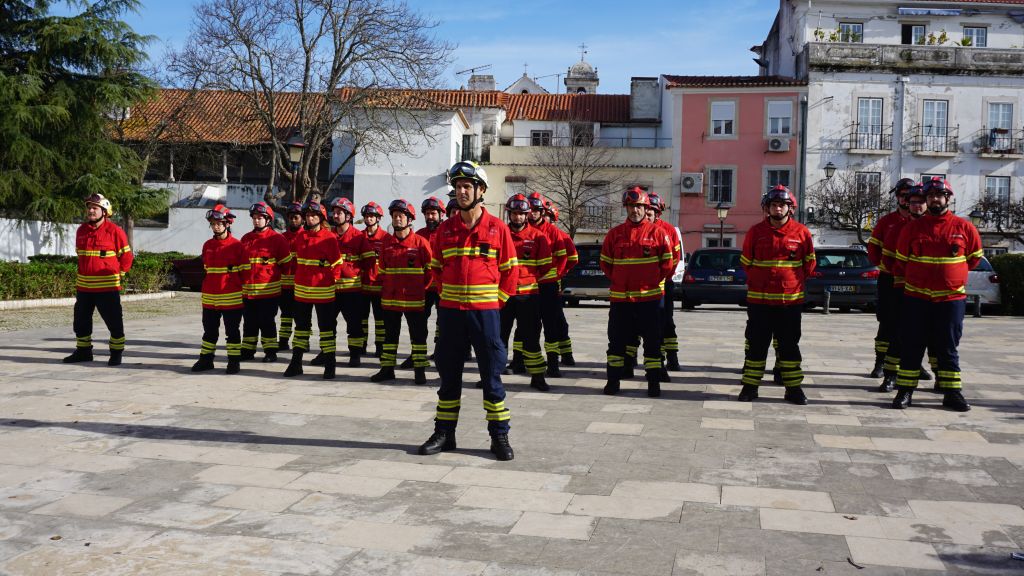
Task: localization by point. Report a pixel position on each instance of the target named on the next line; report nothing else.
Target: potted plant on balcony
(967, 41)
(819, 34)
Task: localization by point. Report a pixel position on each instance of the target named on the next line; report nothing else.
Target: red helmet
(220, 213)
(402, 205)
(778, 193)
(915, 190)
(294, 208)
(656, 202)
(262, 208)
(553, 212)
(518, 203)
(902, 186)
(315, 208)
(432, 203)
(937, 183)
(344, 204)
(372, 209)
(536, 201)
(635, 195)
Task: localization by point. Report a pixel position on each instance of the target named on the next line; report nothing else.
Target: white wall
(19, 240)
(186, 231)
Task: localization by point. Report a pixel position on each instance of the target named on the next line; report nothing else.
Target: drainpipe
(897, 122)
(802, 159)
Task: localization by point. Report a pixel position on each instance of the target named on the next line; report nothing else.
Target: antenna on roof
(473, 70)
(558, 78)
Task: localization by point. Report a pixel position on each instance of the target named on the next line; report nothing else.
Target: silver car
(984, 282)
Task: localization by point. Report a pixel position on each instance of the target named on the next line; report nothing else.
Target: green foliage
(1010, 268)
(61, 80)
(53, 276)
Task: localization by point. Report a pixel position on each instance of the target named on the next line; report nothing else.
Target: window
(711, 241)
(780, 117)
(851, 32)
(936, 117)
(868, 183)
(583, 134)
(723, 115)
(540, 137)
(997, 189)
(467, 148)
(869, 123)
(720, 189)
(776, 177)
(1000, 118)
(977, 36)
(926, 177)
(913, 34)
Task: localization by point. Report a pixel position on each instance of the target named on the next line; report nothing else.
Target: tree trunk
(129, 229)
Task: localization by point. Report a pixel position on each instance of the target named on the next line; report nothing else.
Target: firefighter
(293, 223)
(103, 259)
(933, 255)
(637, 257)
(349, 300)
(552, 316)
(778, 256)
(267, 251)
(670, 342)
(404, 270)
(224, 262)
(372, 213)
(474, 266)
(572, 258)
(433, 213)
(316, 256)
(523, 309)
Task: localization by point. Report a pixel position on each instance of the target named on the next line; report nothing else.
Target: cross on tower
(526, 66)
(583, 51)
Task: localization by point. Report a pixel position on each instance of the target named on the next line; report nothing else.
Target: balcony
(598, 142)
(869, 139)
(999, 143)
(936, 140)
(902, 58)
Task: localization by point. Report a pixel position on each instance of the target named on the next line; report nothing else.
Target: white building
(895, 91)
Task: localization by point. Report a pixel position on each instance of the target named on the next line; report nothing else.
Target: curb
(53, 302)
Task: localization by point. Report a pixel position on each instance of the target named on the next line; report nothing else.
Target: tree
(1001, 216)
(581, 178)
(318, 67)
(850, 201)
(61, 79)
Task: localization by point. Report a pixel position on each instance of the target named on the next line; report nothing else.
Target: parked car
(586, 281)
(847, 274)
(714, 276)
(984, 282)
(186, 273)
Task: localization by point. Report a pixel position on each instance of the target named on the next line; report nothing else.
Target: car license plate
(720, 278)
(590, 272)
(842, 288)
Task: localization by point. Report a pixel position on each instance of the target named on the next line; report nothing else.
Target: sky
(623, 39)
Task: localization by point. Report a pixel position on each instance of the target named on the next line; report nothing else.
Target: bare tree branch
(849, 202)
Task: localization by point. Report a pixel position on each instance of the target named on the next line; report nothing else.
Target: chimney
(482, 82)
(644, 99)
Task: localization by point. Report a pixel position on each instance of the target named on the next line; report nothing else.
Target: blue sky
(624, 39)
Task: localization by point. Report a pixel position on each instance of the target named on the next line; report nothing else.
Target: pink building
(737, 137)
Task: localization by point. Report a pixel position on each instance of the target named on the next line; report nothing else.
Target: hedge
(1010, 268)
(52, 276)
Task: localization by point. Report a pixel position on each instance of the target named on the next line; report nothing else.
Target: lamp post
(295, 146)
(977, 217)
(830, 170)
(723, 213)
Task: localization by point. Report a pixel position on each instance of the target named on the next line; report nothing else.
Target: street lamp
(723, 213)
(295, 146)
(977, 217)
(830, 170)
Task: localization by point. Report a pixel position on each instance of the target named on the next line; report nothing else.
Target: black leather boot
(795, 395)
(612, 387)
(538, 382)
(663, 375)
(888, 384)
(877, 372)
(115, 358)
(419, 376)
(246, 355)
(269, 356)
(385, 373)
(748, 393)
(79, 355)
(318, 360)
(234, 365)
(204, 363)
(329, 367)
(282, 345)
(654, 383)
(672, 361)
(439, 441)
(501, 448)
(553, 370)
(925, 375)
(903, 398)
(295, 366)
(954, 400)
(354, 357)
(568, 360)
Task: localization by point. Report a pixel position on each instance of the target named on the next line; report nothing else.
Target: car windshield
(983, 266)
(590, 256)
(716, 260)
(842, 259)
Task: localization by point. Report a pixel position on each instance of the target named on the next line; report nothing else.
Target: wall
(19, 240)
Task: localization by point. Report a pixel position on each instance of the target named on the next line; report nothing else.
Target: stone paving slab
(150, 469)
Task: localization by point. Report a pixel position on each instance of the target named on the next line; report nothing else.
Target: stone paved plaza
(149, 469)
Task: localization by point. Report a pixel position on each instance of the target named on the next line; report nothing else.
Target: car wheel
(173, 281)
(573, 302)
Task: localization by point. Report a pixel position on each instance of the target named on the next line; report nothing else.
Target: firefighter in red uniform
(293, 222)
(316, 256)
(404, 270)
(934, 254)
(372, 213)
(572, 258)
(670, 342)
(474, 265)
(533, 252)
(224, 262)
(348, 295)
(266, 251)
(637, 257)
(103, 259)
(778, 256)
(433, 213)
(551, 312)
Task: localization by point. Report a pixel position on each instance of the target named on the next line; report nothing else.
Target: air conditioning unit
(691, 183)
(778, 145)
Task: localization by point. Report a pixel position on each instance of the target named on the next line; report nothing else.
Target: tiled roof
(731, 81)
(610, 108)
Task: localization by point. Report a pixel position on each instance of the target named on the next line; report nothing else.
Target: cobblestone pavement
(149, 469)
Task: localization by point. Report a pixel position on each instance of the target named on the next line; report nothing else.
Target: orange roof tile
(611, 108)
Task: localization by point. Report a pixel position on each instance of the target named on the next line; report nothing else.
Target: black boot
(628, 363)
(672, 361)
(385, 373)
(79, 355)
(234, 365)
(925, 375)
(439, 441)
(954, 400)
(517, 366)
(903, 398)
(877, 372)
(537, 381)
(204, 363)
(612, 387)
(354, 357)
(318, 360)
(269, 356)
(553, 370)
(663, 375)
(246, 355)
(795, 395)
(295, 366)
(406, 364)
(501, 448)
(115, 358)
(419, 376)
(888, 384)
(748, 393)
(654, 383)
(568, 360)
(282, 345)
(329, 367)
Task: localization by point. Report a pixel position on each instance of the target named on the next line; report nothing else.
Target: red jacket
(288, 268)
(371, 280)
(355, 253)
(636, 257)
(266, 252)
(889, 241)
(404, 270)
(316, 255)
(568, 247)
(474, 269)
(225, 265)
(103, 257)
(877, 245)
(777, 262)
(559, 252)
(677, 245)
(533, 252)
(428, 234)
(934, 254)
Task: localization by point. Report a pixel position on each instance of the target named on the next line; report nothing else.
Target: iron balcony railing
(587, 140)
(1000, 141)
(870, 137)
(941, 139)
